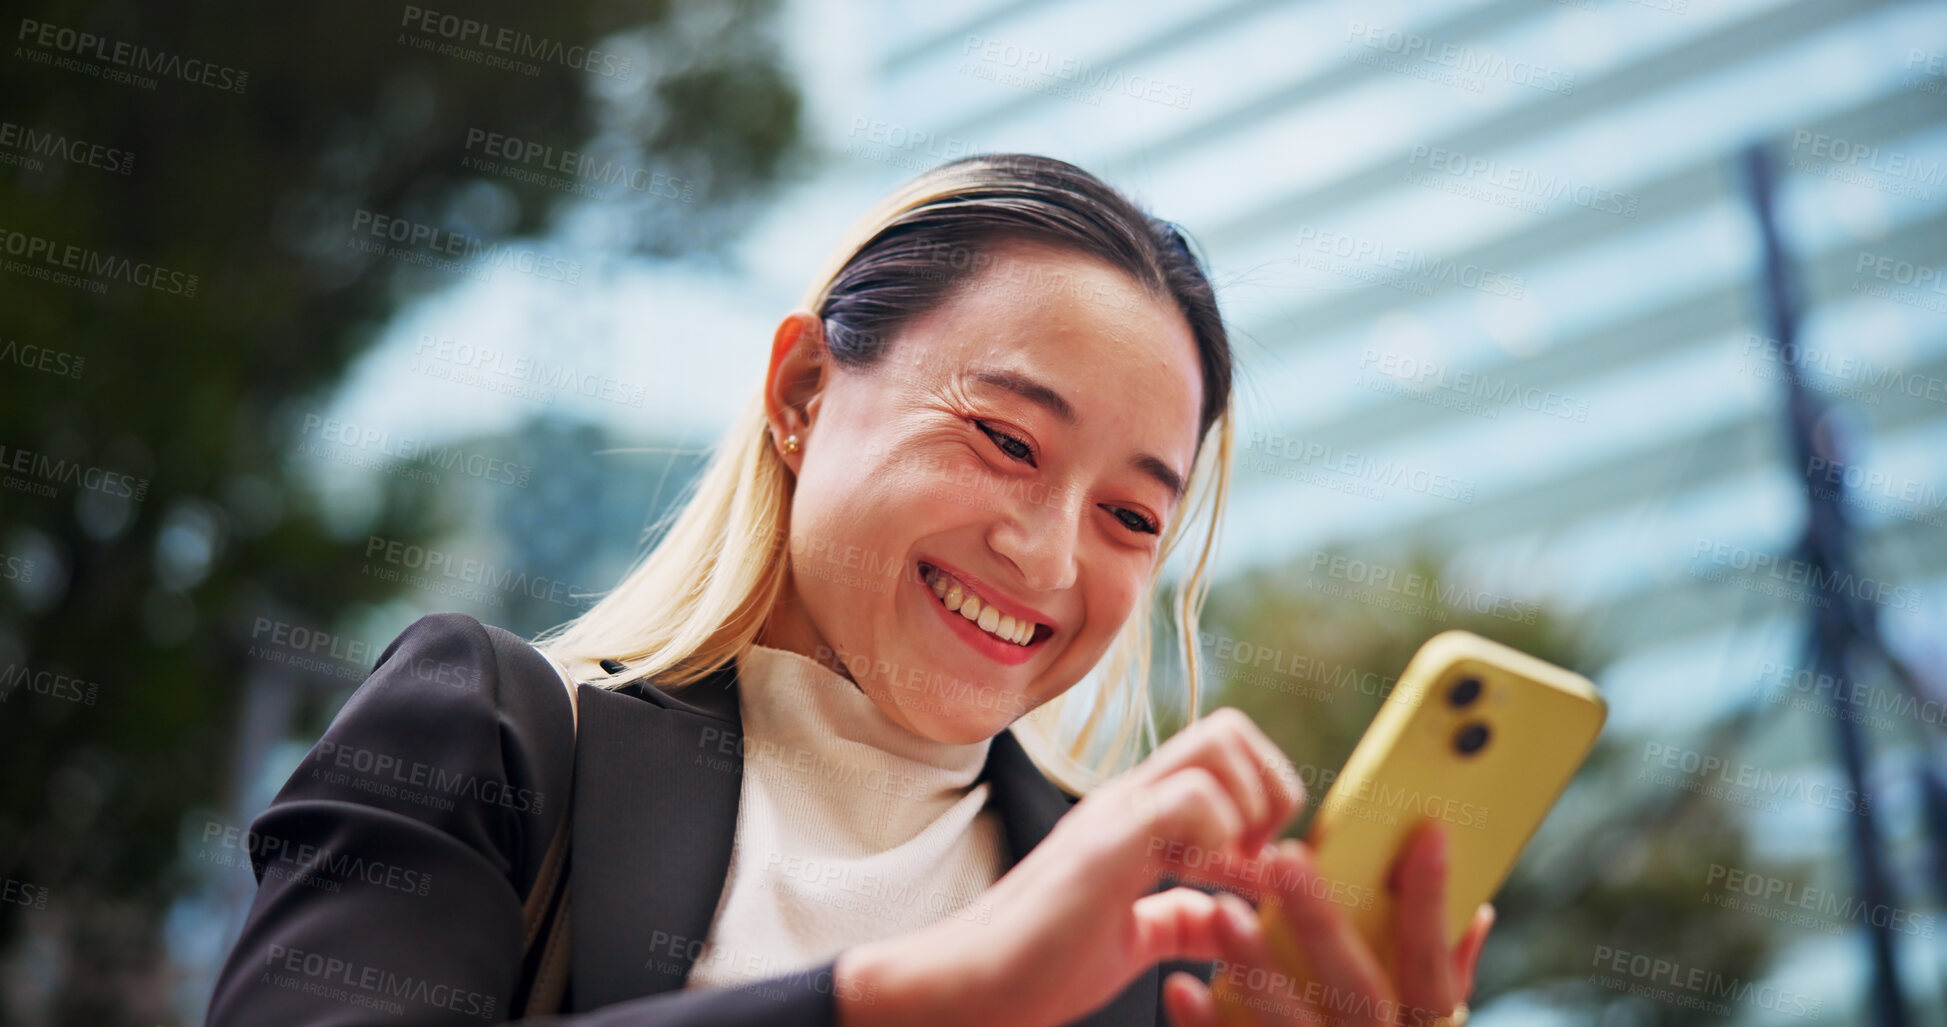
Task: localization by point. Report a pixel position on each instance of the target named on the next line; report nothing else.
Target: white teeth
(968, 605)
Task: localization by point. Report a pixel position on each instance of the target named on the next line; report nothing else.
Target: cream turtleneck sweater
(850, 828)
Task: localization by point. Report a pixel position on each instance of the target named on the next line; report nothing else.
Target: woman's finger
(1192, 808)
(1188, 1001)
(1183, 923)
(1220, 746)
(1265, 768)
(1467, 955)
(1423, 963)
(1258, 987)
(1279, 776)
(1340, 961)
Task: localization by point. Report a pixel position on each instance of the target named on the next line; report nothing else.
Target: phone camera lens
(1471, 739)
(1464, 692)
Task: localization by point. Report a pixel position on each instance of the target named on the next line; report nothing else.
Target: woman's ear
(793, 381)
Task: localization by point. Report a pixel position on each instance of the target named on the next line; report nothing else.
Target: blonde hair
(699, 597)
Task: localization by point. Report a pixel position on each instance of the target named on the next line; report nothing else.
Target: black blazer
(393, 863)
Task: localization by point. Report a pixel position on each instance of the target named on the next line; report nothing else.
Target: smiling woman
(1000, 347)
(814, 776)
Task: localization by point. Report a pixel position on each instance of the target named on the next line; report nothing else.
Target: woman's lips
(998, 649)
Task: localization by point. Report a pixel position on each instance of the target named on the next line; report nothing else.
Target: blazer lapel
(1029, 804)
(657, 782)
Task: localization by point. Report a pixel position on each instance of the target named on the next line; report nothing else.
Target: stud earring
(791, 443)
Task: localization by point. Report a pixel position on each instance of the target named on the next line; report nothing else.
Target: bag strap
(551, 976)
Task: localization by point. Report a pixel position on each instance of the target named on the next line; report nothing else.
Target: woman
(814, 783)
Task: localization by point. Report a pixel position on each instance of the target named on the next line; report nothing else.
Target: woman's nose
(1039, 535)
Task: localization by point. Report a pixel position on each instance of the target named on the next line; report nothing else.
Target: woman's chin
(956, 724)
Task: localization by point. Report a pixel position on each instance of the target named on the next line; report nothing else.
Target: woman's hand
(1075, 921)
(1348, 983)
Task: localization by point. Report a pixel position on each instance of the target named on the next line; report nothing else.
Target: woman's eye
(1008, 444)
(1132, 520)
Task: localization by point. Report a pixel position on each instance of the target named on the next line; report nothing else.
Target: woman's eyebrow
(1048, 399)
(1029, 389)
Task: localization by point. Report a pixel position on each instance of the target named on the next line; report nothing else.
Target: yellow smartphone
(1475, 734)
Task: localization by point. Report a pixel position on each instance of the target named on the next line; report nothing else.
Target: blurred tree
(254, 179)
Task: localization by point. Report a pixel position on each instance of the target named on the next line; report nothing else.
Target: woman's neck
(790, 629)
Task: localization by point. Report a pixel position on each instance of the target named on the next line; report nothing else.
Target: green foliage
(153, 597)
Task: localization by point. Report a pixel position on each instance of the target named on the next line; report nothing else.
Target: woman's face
(1022, 438)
